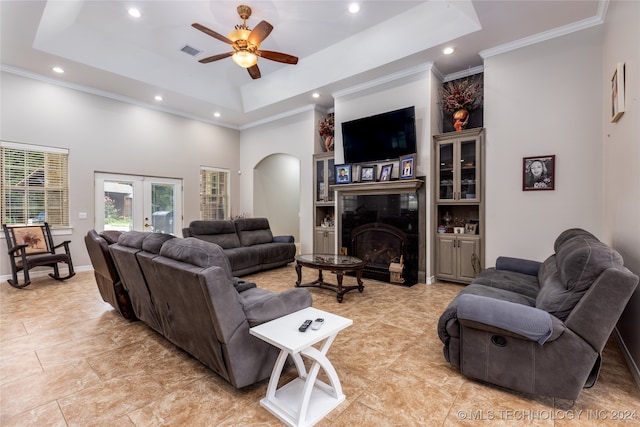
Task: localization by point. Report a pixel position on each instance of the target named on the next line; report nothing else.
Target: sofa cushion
(154, 241)
(132, 239)
(582, 259)
(196, 252)
(253, 231)
(566, 276)
(220, 232)
(569, 234)
(524, 284)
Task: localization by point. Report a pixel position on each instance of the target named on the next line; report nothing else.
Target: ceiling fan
(245, 43)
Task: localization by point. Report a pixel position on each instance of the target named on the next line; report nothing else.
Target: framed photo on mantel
(407, 167)
(367, 173)
(343, 174)
(385, 172)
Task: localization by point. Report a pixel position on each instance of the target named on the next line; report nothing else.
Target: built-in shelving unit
(458, 205)
(324, 213)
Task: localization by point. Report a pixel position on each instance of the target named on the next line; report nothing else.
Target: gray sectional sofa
(247, 242)
(539, 327)
(184, 289)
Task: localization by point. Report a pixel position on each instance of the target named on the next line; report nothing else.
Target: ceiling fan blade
(277, 56)
(254, 72)
(216, 57)
(259, 33)
(211, 33)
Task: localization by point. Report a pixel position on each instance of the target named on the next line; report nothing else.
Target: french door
(132, 202)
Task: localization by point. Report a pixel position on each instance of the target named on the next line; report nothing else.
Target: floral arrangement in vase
(459, 97)
(326, 129)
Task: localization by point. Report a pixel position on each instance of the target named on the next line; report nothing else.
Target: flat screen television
(381, 137)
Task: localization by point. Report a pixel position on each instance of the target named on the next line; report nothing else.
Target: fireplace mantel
(380, 187)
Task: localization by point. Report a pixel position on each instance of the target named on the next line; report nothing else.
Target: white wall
(110, 136)
(544, 99)
(621, 157)
(294, 135)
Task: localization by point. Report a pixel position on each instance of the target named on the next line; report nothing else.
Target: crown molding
(464, 73)
(548, 35)
(309, 107)
(383, 80)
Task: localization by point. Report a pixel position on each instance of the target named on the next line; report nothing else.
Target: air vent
(190, 50)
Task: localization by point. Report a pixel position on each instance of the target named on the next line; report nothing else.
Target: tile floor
(67, 359)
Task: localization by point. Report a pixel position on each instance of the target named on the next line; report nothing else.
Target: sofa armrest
(518, 265)
(530, 322)
(274, 305)
(283, 239)
(242, 285)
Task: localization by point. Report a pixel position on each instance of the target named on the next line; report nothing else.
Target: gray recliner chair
(540, 328)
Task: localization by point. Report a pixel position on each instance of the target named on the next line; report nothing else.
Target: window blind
(214, 193)
(35, 184)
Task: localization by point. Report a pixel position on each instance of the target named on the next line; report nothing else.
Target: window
(214, 193)
(35, 184)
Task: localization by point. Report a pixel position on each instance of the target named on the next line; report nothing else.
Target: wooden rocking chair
(31, 246)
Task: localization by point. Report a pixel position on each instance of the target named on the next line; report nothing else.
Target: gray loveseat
(184, 289)
(247, 242)
(539, 328)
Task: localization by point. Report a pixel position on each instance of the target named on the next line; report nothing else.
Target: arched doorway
(276, 193)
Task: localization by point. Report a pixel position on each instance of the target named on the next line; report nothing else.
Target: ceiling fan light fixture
(245, 59)
(239, 34)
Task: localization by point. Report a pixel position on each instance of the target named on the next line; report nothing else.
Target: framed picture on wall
(538, 173)
(343, 174)
(368, 173)
(385, 172)
(407, 169)
(617, 92)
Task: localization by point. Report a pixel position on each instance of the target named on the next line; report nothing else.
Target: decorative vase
(460, 119)
(328, 143)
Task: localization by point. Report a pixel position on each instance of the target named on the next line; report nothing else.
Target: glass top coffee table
(337, 264)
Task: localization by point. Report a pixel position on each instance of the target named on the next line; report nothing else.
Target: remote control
(317, 323)
(304, 326)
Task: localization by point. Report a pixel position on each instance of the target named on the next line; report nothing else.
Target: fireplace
(382, 225)
(379, 245)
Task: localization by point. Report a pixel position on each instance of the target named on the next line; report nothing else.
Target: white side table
(304, 400)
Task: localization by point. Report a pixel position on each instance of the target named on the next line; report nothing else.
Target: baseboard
(44, 272)
(633, 367)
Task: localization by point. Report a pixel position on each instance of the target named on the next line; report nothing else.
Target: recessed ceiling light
(159, 98)
(447, 50)
(216, 114)
(315, 95)
(354, 8)
(58, 70)
(134, 12)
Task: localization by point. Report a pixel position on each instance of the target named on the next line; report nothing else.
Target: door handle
(148, 225)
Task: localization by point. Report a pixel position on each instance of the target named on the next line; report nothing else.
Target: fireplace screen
(378, 244)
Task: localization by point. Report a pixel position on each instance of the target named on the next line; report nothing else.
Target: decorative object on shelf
(343, 174)
(407, 170)
(395, 270)
(442, 229)
(460, 97)
(460, 119)
(385, 173)
(447, 219)
(470, 228)
(458, 230)
(538, 173)
(367, 173)
(326, 129)
(617, 93)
